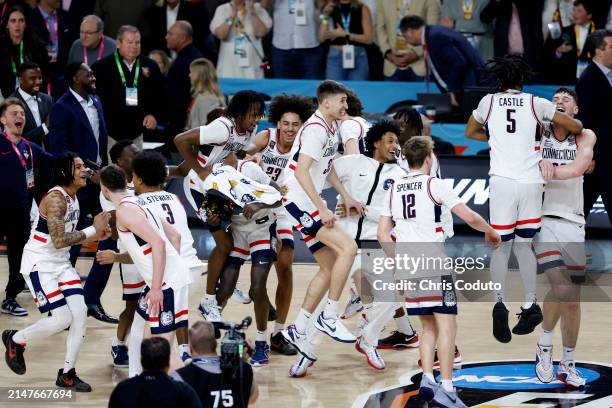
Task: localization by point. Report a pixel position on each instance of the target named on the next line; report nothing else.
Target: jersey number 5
(168, 210)
(511, 126)
(408, 204)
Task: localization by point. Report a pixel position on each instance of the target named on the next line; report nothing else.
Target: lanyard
(241, 23)
(52, 35)
(346, 20)
(13, 65)
(100, 51)
(3, 10)
(19, 154)
(122, 75)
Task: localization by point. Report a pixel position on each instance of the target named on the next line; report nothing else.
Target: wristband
(89, 232)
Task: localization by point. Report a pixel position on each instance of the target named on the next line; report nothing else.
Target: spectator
(18, 43)
(402, 61)
(594, 89)
(204, 373)
(92, 45)
(78, 9)
(5, 5)
(347, 23)
(556, 11)
(160, 19)
(153, 387)
(296, 52)
(18, 159)
(56, 30)
(37, 104)
(206, 93)
(240, 25)
(130, 86)
(464, 16)
(567, 55)
(178, 85)
(162, 60)
(518, 29)
(411, 123)
(452, 62)
(117, 13)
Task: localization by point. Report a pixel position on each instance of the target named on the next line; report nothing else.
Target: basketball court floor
(492, 374)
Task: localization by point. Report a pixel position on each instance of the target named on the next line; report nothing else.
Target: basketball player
(52, 280)
(153, 245)
(353, 128)
(511, 121)
(253, 233)
(419, 221)
(310, 167)
(273, 148)
(201, 148)
(560, 244)
(149, 163)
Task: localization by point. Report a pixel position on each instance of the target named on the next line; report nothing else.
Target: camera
(232, 346)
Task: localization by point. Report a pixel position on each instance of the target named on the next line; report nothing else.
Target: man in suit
(402, 62)
(594, 89)
(450, 59)
(38, 105)
(178, 85)
(568, 55)
(77, 124)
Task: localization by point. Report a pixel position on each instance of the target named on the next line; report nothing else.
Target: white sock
(403, 325)
(545, 338)
(260, 336)
(499, 268)
(302, 321)
(430, 376)
(209, 299)
(183, 348)
(447, 385)
(568, 354)
(78, 328)
(528, 266)
(117, 342)
(135, 341)
(331, 309)
(278, 327)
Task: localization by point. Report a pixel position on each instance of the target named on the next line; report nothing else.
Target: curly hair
(377, 131)
(510, 72)
(281, 104)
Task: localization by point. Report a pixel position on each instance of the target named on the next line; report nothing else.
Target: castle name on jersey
(149, 199)
(413, 185)
(275, 161)
(510, 101)
(558, 154)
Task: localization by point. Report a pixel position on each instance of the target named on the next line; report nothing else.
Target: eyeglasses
(88, 33)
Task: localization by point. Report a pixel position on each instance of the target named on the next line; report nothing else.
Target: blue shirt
(13, 184)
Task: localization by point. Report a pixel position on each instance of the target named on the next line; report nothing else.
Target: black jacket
(66, 31)
(31, 131)
(152, 389)
(563, 70)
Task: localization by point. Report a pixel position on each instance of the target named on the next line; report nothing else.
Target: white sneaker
(363, 322)
(545, 371)
(333, 327)
(240, 297)
(210, 311)
(300, 342)
(569, 375)
(375, 360)
(300, 367)
(353, 306)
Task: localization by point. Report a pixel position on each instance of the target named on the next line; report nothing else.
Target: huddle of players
(225, 190)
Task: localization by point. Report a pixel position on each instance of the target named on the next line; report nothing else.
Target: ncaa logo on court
(497, 384)
(387, 184)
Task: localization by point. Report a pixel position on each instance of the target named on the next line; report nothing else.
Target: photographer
(205, 376)
(154, 388)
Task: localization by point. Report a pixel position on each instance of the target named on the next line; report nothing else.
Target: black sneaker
(271, 313)
(14, 353)
(398, 340)
(10, 306)
(71, 380)
(501, 330)
(280, 345)
(528, 319)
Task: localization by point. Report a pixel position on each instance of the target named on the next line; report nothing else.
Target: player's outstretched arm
(474, 220)
(584, 154)
(474, 130)
(186, 143)
(570, 124)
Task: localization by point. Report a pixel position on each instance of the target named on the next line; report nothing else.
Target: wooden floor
(334, 381)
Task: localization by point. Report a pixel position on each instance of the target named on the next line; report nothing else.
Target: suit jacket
(563, 70)
(69, 129)
(530, 16)
(456, 61)
(32, 132)
(386, 28)
(594, 96)
(66, 32)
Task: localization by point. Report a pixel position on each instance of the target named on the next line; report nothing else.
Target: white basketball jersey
(415, 203)
(514, 130)
(109, 206)
(176, 274)
(354, 128)
(319, 141)
(274, 162)
(224, 139)
(167, 206)
(562, 198)
(39, 249)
